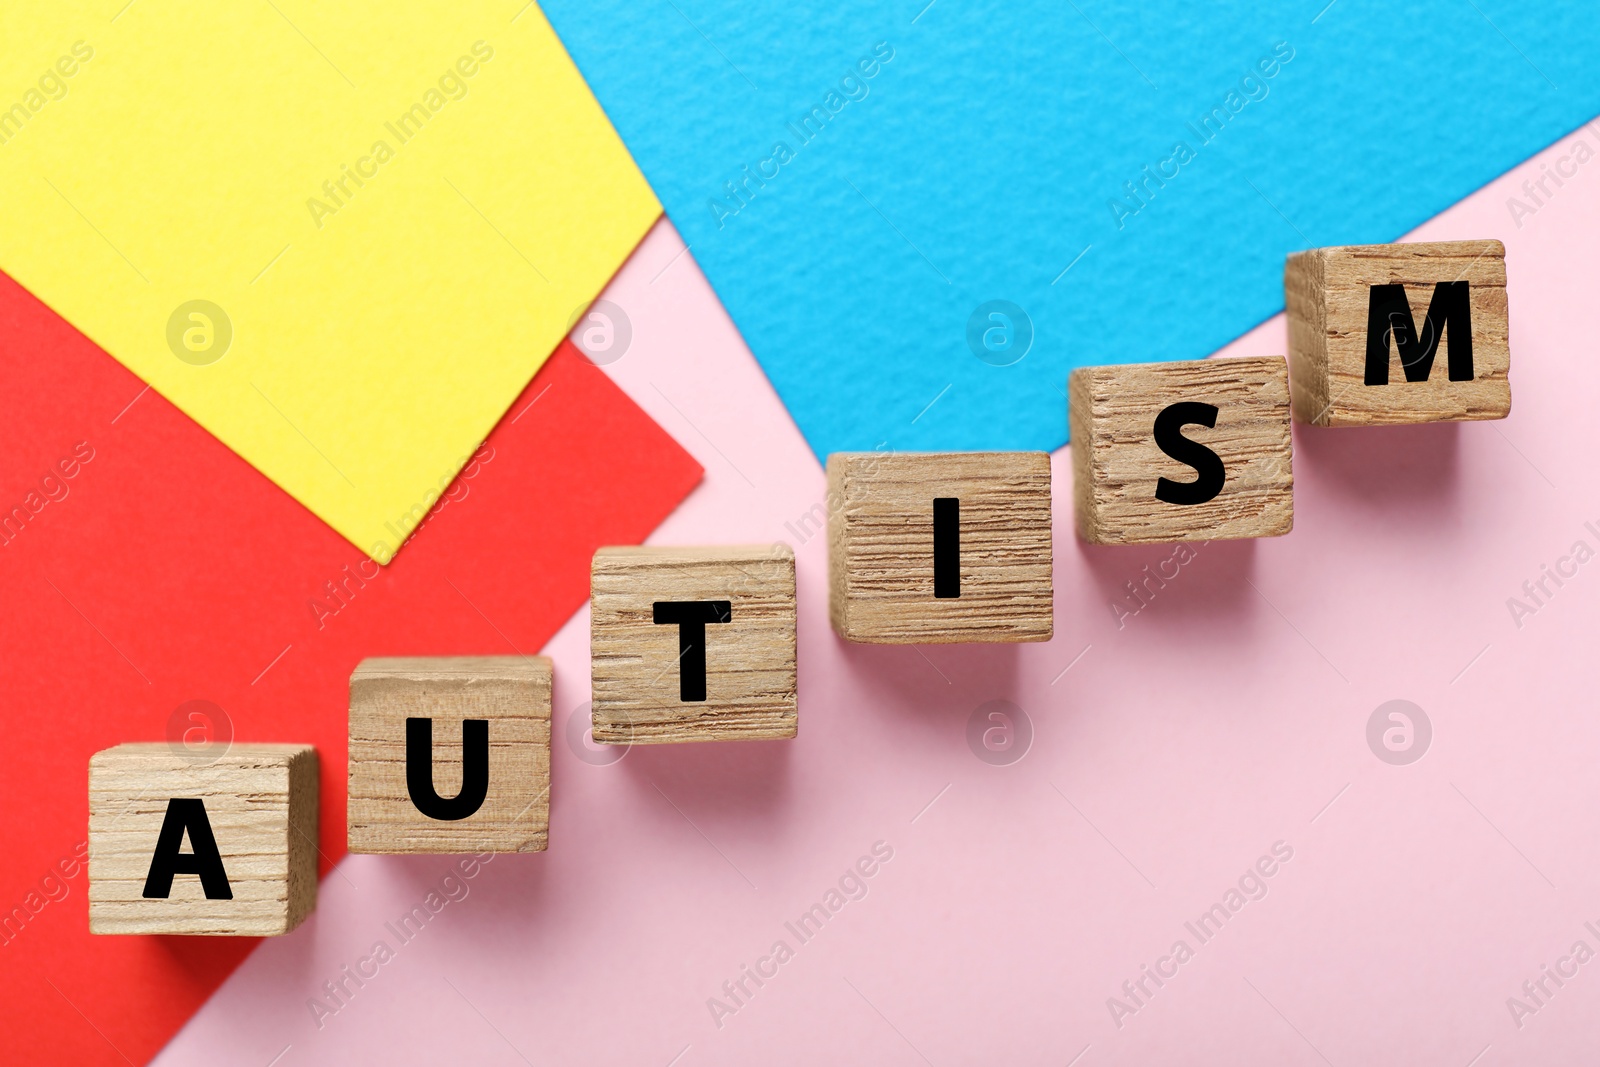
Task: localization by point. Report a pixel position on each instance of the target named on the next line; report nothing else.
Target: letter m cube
(1398, 333)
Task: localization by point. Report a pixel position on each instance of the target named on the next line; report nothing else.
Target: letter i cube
(940, 547)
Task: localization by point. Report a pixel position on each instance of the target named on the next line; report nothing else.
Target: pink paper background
(1228, 715)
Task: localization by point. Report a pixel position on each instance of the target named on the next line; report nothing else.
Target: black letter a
(474, 769)
(187, 813)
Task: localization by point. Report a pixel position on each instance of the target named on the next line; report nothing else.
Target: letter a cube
(693, 644)
(450, 754)
(1399, 333)
(940, 547)
(1197, 450)
(189, 843)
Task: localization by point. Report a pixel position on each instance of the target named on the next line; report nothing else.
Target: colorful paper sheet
(150, 576)
(923, 214)
(342, 238)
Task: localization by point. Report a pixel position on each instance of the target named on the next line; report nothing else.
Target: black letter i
(947, 548)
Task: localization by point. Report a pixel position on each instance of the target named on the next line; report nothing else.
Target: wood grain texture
(1327, 292)
(750, 660)
(511, 692)
(881, 547)
(1116, 463)
(261, 803)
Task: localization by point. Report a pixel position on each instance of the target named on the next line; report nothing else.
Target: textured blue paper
(984, 157)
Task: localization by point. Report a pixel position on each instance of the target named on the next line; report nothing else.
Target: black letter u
(474, 769)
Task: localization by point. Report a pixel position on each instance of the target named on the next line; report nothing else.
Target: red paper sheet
(165, 569)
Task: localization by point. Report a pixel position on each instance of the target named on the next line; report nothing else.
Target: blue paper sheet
(922, 215)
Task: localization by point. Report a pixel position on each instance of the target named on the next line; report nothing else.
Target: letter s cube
(1196, 450)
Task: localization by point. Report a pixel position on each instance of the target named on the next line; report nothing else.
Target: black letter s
(1207, 464)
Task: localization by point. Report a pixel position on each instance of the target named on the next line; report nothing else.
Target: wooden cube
(1399, 333)
(183, 845)
(450, 754)
(1197, 450)
(693, 644)
(940, 547)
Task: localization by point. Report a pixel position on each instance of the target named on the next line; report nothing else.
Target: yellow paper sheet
(388, 214)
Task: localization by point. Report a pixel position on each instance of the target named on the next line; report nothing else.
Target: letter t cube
(693, 644)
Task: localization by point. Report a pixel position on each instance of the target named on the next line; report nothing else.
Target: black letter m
(1389, 314)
